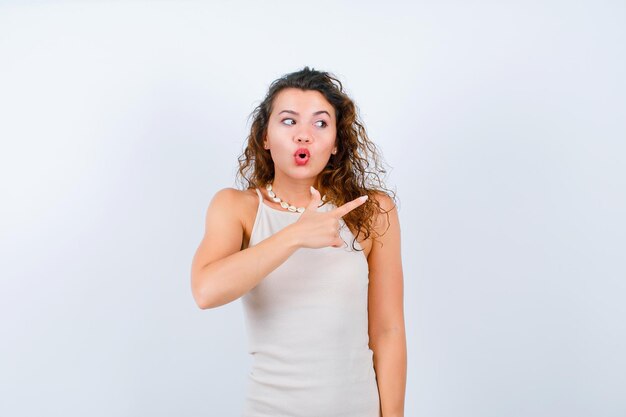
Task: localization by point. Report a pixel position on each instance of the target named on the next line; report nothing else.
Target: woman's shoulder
(386, 212)
(385, 201)
(236, 198)
(239, 204)
(234, 193)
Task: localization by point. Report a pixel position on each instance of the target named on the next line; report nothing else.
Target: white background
(504, 123)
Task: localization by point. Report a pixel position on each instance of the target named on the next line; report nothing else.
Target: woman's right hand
(321, 229)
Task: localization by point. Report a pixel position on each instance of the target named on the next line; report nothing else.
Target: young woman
(311, 244)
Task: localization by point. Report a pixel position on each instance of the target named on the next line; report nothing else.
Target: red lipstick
(302, 156)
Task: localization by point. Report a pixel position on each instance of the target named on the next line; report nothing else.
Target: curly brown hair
(352, 172)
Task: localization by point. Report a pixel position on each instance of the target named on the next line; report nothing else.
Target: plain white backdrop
(504, 125)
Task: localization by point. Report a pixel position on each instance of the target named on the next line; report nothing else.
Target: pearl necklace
(284, 204)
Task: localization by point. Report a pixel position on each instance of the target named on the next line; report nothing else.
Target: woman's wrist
(290, 237)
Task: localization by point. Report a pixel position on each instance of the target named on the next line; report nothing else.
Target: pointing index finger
(350, 205)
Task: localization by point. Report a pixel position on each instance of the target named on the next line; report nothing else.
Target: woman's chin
(301, 172)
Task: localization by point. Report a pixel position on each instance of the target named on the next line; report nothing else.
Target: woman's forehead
(301, 101)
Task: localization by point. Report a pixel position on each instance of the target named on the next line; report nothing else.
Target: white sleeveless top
(307, 329)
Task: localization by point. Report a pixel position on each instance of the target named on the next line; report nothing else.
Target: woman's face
(301, 133)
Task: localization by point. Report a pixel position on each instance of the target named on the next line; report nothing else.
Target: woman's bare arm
(221, 272)
(386, 312)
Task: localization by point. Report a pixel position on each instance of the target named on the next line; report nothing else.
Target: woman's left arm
(386, 312)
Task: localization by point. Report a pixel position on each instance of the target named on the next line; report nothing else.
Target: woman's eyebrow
(297, 114)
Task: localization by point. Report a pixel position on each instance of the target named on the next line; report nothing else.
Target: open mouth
(302, 156)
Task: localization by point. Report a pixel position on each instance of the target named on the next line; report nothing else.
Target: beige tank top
(307, 325)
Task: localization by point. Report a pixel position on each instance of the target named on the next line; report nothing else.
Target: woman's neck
(296, 192)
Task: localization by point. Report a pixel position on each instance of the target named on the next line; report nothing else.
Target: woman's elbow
(201, 295)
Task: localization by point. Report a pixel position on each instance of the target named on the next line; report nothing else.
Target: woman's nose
(303, 135)
(303, 138)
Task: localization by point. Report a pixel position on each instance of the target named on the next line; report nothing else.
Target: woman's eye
(284, 120)
(325, 124)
